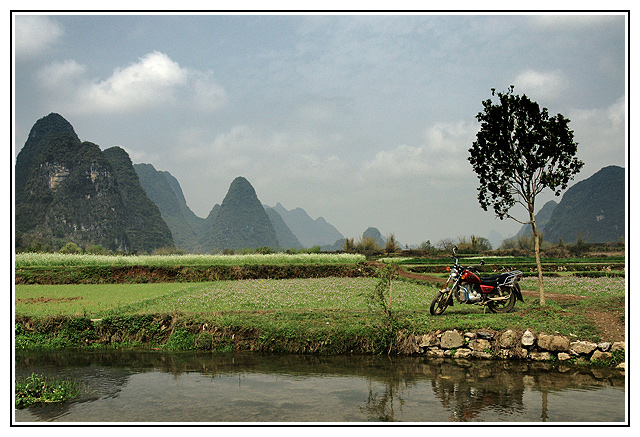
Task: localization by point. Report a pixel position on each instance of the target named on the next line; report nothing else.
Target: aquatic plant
(40, 389)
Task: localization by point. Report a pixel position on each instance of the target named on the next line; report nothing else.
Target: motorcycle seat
(495, 279)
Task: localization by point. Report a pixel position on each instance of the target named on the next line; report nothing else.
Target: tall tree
(519, 152)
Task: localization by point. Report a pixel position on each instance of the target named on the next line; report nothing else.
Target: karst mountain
(70, 190)
(592, 210)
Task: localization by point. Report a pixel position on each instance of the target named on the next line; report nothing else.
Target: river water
(181, 388)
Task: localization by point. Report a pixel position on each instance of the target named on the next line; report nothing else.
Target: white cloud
(600, 134)
(62, 76)
(154, 80)
(572, 21)
(238, 140)
(149, 82)
(539, 85)
(442, 156)
(282, 165)
(400, 161)
(141, 156)
(34, 35)
(617, 114)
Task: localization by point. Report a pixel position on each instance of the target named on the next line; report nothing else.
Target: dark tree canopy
(519, 151)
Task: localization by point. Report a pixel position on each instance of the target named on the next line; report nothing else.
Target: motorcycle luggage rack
(511, 279)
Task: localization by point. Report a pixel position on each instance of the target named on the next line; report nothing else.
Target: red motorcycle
(498, 293)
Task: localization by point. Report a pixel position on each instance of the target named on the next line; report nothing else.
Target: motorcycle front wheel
(440, 303)
(505, 305)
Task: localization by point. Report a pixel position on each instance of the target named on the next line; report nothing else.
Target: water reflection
(201, 387)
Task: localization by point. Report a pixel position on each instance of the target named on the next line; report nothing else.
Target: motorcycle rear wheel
(439, 303)
(503, 306)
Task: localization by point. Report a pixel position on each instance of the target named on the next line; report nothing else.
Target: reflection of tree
(466, 393)
(380, 407)
(394, 376)
(544, 416)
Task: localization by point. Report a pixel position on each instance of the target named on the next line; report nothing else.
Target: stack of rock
(510, 344)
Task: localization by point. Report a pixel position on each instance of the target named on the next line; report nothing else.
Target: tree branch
(519, 221)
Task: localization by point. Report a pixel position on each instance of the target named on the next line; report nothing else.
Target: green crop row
(26, 260)
(504, 260)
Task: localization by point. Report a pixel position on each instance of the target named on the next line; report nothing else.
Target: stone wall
(510, 344)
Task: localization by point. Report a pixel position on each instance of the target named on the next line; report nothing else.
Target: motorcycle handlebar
(455, 249)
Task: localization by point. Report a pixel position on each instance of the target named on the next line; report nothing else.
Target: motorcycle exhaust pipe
(499, 298)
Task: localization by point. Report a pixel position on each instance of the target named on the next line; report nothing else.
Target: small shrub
(391, 244)
(71, 248)
(179, 340)
(367, 244)
(348, 245)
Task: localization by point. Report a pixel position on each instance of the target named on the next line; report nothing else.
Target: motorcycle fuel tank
(470, 277)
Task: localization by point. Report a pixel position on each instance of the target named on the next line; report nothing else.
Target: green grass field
(243, 295)
(258, 295)
(588, 287)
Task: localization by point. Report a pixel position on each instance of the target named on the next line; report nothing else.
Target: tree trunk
(536, 241)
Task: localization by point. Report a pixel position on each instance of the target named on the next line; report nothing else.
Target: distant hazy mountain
(593, 209)
(375, 234)
(241, 222)
(67, 190)
(193, 233)
(310, 232)
(495, 238)
(286, 238)
(165, 191)
(71, 191)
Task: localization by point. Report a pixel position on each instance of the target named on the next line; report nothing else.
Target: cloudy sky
(365, 119)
